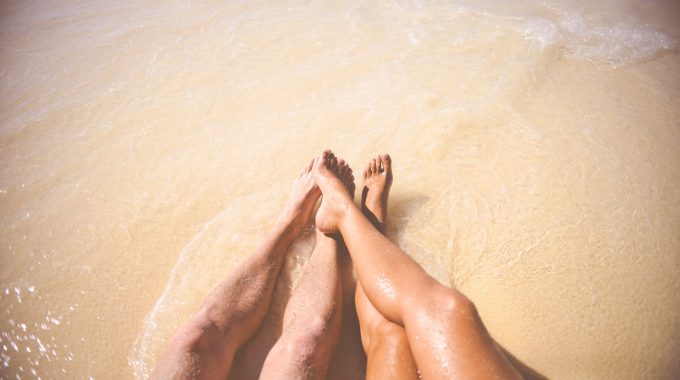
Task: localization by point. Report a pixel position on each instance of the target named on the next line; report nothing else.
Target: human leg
(313, 316)
(205, 346)
(446, 335)
(385, 343)
(349, 359)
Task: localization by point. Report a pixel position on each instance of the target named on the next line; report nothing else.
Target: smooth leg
(313, 316)
(205, 346)
(446, 335)
(385, 343)
(349, 360)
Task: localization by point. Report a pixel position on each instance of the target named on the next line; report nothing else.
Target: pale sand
(143, 149)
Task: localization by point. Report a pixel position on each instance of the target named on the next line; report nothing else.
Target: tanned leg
(205, 347)
(313, 316)
(385, 343)
(446, 334)
(349, 360)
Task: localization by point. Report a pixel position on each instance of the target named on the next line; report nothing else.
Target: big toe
(386, 162)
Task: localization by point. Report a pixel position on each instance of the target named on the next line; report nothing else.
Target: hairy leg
(205, 346)
(385, 343)
(313, 316)
(446, 334)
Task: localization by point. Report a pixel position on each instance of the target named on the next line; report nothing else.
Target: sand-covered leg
(313, 316)
(205, 346)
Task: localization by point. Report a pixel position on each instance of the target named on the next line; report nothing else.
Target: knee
(295, 351)
(304, 343)
(384, 332)
(449, 305)
(299, 354)
(300, 347)
(197, 335)
(456, 303)
(389, 330)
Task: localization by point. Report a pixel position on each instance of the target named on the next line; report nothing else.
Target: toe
(374, 166)
(320, 163)
(349, 181)
(386, 161)
(348, 173)
(330, 159)
(342, 169)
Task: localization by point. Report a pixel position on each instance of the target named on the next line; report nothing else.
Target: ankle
(345, 208)
(347, 216)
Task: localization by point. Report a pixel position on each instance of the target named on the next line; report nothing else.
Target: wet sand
(145, 147)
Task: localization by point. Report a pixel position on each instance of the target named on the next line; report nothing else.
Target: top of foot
(336, 181)
(376, 189)
(303, 197)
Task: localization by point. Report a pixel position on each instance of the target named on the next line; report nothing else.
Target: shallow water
(145, 146)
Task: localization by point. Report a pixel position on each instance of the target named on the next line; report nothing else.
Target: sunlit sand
(144, 147)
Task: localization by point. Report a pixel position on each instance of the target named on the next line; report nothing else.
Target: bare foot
(337, 185)
(377, 183)
(303, 197)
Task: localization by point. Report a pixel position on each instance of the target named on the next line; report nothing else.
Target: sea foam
(618, 44)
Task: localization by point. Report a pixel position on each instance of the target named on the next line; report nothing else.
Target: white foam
(617, 44)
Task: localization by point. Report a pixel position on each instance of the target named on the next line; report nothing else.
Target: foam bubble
(618, 44)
